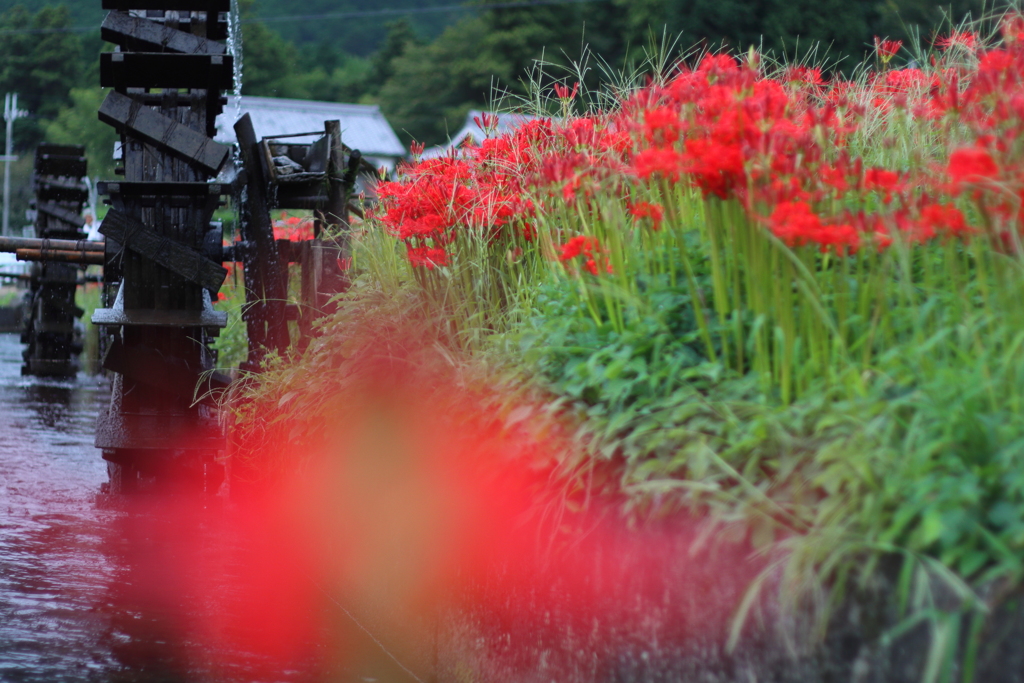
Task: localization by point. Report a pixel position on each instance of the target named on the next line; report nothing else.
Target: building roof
(363, 127)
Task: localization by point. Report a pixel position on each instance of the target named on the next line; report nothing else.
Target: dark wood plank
(126, 113)
(149, 366)
(158, 188)
(264, 272)
(176, 257)
(139, 35)
(196, 5)
(61, 165)
(71, 218)
(58, 190)
(165, 70)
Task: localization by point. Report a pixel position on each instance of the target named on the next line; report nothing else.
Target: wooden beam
(70, 217)
(12, 244)
(125, 113)
(89, 258)
(195, 5)
(264, 272)
(165, 70)
(172, 255)
(139, 35)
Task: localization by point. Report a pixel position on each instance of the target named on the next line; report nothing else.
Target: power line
(415, 10)
(390, 11)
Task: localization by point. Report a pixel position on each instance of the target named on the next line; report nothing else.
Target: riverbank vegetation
(742, 290)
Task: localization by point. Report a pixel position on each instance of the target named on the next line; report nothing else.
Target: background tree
(78, 124)
(401, 36)
(40, 65)
(269, 62)
(434, 85)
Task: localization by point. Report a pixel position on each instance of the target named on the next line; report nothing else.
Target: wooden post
(264, 275)
(335, 249)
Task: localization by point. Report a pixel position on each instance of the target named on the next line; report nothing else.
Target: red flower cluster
(590, 249)
(777, 146)
(493, 187)
(440, 197)
(887, 49)
(654, 212)
(293, 228)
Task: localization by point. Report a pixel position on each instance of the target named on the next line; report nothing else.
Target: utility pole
(11, 113)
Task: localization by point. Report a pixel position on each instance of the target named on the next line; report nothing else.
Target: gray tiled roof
(363, 127)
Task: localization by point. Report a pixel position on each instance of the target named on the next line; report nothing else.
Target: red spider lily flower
(971, 165)
(944, 219)
(665, 163)
(794, 223)
(881, 179)
(293, 228)
(655, 212)
(562, 91)
(582, 132)
(718, 64)
(873, 228)
(590, 249)
(662, 126)
(486, 122)
(581, 244)
(717, 168)
(803, 75)
(966, 40)
(841, 237)
(427, 257)
(1012, 28)
(994, 67)
(416, 149)
(887, 49)
(834, 177)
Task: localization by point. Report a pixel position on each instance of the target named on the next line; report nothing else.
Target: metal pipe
(12, 244)
(11, 113)
(91, 258)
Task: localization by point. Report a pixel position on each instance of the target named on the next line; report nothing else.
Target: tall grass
(845, 392)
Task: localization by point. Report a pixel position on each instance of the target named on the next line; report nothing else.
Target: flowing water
(97, 588)
(54, 570)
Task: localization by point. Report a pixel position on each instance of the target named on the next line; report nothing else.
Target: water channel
(93, 588)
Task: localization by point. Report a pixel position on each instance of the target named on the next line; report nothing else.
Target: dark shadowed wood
(173, 256)
(140, 35)
(124, 112)
(264, 271)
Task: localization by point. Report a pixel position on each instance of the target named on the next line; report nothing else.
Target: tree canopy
(428, 68)
(40, 66)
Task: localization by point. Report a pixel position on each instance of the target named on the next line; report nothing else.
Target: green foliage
(275, 67)
(41, 67)
(270, 63)
(9, 296)
(83, 12)
(400, 38)
(435, 85)
(78, 124)
(232, 343)
(844, 29)
(360, 34)
(615, 372)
